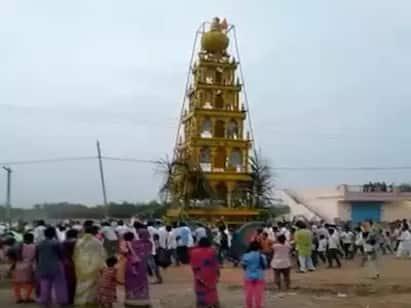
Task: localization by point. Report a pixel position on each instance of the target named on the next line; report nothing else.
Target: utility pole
(103, 184)
(8, 200)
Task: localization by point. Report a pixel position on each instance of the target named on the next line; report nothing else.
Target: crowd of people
(85, 263)
(378, 187)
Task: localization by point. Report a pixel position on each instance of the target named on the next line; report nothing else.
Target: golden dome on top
(215, 40)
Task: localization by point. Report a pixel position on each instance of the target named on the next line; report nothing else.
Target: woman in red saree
(206, 270)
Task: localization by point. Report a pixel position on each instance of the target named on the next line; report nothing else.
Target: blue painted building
(366, 210)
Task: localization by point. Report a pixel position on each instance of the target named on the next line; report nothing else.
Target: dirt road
(348, 287)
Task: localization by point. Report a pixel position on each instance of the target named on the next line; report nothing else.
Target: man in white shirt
(110, 239)
(151, 260)
(333, 248)
(404, 248)
(323, 230)
(184, 241)
(77, 226)
(322, 248)
(108, 232)
(39, 232)
(61, 233)
(163, 237)
(3, 229)
(286, 233)
(370, 243)
(121, 229)
(270, 232)
(172, 243)
(152, 231)
(200, 233)
(347, 239)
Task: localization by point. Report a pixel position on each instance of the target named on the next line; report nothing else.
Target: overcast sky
(328, 85)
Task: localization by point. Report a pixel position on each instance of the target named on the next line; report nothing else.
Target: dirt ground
(348, 287)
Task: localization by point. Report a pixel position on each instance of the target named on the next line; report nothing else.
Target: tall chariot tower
(214, 136)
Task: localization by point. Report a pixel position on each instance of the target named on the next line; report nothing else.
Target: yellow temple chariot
(212, 139)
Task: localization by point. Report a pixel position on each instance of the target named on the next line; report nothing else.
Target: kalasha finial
(216, 25)
(216, 40)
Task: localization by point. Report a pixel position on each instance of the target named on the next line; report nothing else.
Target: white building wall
(325, 202)
(396, 210)
(344, 211)
(296, 209)
(328, 204)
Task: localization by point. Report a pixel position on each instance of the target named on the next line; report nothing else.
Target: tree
(183, 182)
(262, 183)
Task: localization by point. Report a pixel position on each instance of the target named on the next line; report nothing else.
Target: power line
(68, 159)
(156, 162)
(336, 168)
(131, 160)
(46, 161)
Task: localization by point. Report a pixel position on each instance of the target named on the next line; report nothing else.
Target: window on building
(219, 101)
(205, 159)
(219, 130)
(220, 159)
(206, 128)
(232, 130)
(235, 160)
(218, 76)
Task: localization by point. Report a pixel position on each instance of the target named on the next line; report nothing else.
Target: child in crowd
(106, 291)
(281, 262)
(322, 248)
(23, 273)
(254, 264)
(333, 248)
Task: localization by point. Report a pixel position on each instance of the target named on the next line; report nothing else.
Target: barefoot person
(205, 266)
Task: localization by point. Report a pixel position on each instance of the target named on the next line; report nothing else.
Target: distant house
(347, 203)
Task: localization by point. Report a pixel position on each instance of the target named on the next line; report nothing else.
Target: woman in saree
(23, 274)
(206, 270)
(89, 259)
(136, 275)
